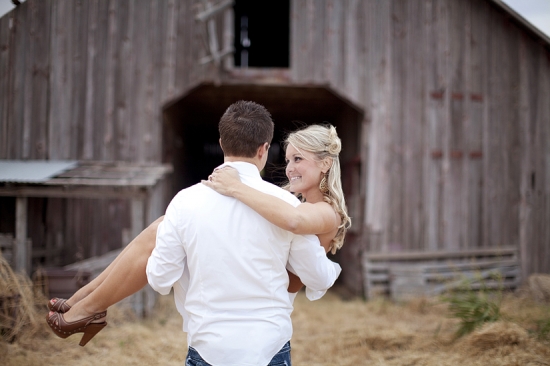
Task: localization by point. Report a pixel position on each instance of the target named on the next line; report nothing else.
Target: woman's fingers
(221, 180)
(225, 175)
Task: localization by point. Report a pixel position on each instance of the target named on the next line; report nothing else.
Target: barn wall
(456, 101)
(86, 80)
(455, 135)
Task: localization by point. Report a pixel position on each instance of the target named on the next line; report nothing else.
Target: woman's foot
(59, 305)
(90, 325)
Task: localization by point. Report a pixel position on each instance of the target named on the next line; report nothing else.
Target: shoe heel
(90, 332)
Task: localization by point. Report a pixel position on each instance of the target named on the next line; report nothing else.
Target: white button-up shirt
(227, 267)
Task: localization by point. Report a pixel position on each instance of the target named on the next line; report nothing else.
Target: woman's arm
(307, 218)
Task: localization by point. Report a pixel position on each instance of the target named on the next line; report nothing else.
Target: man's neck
(234, 159)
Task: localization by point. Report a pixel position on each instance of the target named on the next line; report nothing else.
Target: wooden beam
(426, 255)
(219, 56)
(74, 192)
(20, 249)
(209, 13)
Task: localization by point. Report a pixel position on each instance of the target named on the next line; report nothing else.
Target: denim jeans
(282, 358)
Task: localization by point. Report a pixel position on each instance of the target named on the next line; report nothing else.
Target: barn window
(262, 33)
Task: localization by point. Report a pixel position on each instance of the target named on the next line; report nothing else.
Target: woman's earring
(323, 186)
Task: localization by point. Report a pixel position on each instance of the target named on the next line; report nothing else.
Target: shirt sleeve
(167, 262)
(308, 261)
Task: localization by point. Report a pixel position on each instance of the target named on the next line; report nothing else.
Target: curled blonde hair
(323, 142)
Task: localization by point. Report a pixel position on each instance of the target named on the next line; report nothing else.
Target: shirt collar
(244, 169)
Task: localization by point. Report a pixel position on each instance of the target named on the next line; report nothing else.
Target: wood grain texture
(454, 95)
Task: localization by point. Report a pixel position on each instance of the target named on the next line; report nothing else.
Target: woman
(313, 170)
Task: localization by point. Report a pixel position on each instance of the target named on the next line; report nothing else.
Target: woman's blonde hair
(323, 142)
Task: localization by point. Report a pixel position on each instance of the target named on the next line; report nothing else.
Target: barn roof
(522, 22)
(32, 171)
(83, 179)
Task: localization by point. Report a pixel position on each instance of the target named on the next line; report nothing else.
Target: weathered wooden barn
(443, 107)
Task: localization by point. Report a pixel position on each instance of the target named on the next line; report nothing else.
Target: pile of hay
(503, 343)
(22, 307)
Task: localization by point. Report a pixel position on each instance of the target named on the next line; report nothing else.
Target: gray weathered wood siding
(457, 105)
(455, 144)
(86, 80)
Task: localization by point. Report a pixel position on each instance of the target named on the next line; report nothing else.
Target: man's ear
(263, 149)
(221, 146)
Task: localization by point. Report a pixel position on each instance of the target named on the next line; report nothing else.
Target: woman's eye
(297, 158)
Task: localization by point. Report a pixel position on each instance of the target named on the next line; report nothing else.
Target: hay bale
(539, 287)
(19, 304)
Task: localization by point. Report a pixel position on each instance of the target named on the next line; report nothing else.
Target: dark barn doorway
(262, 33)
(191, 132)
(191, 142)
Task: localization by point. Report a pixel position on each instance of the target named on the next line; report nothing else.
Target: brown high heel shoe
(63, 329)
(58, 305)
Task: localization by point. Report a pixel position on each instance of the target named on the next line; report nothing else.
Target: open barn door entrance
(191, 133)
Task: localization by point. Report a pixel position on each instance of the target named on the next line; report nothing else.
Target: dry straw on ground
(19, 305)
(328, 332)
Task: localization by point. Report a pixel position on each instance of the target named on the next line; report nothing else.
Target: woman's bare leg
(122, 278)
(93, 284)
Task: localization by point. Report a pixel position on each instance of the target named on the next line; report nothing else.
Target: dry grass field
(336, 330)
(331, 331)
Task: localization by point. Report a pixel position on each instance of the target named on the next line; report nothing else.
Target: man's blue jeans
(282, 358)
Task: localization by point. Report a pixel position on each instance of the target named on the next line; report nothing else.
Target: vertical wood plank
(298, 39)
(334, 50)
(454, 152)
(487, 181)
(168, 70)
(90, 89)
(99, 79)
(16, 97)
(465, 69)
(5, 73)
(112, 54)
(35, 115)
(78, 47)
(61, 93)
(434, 111)
(512, 138)
(396, 239)
(352, 50)
(477, 98)
(138, 95)
(413, 128)
(318, 36)
(379, 55)
(125, 71)
(21, 251)
(187, 37)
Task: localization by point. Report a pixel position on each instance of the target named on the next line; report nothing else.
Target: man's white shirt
(227, 267)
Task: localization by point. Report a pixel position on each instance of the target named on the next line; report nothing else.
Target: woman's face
(303, 172)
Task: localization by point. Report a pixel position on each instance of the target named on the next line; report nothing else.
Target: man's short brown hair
(244, 127)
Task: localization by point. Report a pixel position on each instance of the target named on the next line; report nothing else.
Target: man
(227, 264)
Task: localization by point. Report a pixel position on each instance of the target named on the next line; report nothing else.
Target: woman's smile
(302, 171)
